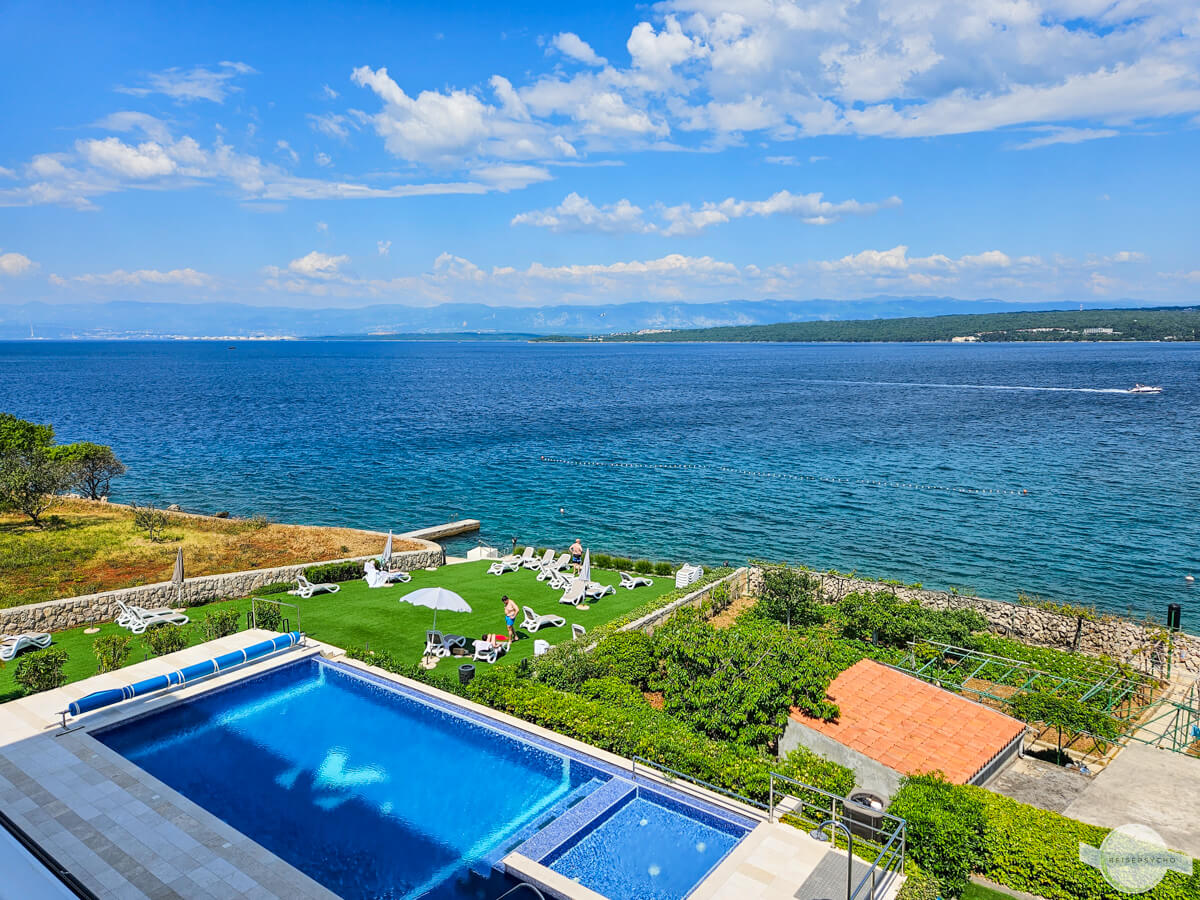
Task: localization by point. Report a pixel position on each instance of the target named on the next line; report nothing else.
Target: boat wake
(970, 387)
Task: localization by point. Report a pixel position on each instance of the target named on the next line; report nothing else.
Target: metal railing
(252, 613)
(887, 839)
(671, 777)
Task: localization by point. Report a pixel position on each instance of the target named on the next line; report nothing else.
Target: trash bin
(864, 814)
(465, 673)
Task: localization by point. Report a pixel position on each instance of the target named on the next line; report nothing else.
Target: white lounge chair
(532, 621)
(138, 619)
(534, 563)
(595, 590)
(12, 644)
(305, 588)
(435, 644)
(486, 651)
(540, 647)
(560, 581)
(377, 579)
(508, 564)
(574, 595)
(577, 631)
(564, 560)
(631, 581)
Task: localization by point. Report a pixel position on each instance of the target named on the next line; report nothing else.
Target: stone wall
(1121, 639)
(737, 581)
(57, 615)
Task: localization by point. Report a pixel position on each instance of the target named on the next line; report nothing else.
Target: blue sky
(525, 154)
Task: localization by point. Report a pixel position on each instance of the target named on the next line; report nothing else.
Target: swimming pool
(379, 792)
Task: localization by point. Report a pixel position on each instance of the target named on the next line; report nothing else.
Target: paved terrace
(126, 835)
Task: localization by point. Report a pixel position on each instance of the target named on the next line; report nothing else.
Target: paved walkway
(1147, 786)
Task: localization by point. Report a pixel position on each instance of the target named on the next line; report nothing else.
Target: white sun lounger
(12, 644)
(532, 621)
(577, 631)
(486, 651)
(595, 590)
(574, 595)
(632, 581)
(305, 588)
(377, 579)
(534, 563)
(560, 581)
(138, 620)
(562, 562)
(508, 564)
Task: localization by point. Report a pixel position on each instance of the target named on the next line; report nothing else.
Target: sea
(999, 469)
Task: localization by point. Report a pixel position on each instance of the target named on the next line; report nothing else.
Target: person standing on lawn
(510, 617)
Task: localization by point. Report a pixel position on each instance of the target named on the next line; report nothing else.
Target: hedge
(631, 730)
(338, 571)
(954, 830)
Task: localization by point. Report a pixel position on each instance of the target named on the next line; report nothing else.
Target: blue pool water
(663, 851)
(375, 793)
(795, 447)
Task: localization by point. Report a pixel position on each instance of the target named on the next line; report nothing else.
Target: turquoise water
(901, 461)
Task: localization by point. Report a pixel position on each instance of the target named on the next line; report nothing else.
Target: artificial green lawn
(358, 615)
(979, 892)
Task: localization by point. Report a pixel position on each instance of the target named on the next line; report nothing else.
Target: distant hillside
(124, 320)
(1175, 323)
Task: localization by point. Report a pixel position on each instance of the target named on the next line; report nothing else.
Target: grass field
(979, 892)
(88, 547)
(358, 616)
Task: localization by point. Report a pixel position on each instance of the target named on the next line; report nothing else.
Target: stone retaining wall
(88, 609)
(1121, 639)
(737, 580)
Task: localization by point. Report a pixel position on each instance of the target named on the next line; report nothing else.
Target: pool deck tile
(115, 827)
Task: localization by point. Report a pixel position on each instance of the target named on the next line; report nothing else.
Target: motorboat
(1145, 389)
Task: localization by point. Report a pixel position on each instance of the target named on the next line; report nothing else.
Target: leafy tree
(30, 483)
(791, 596)
(92, 466)
(888, 621)
(1064, 714)
(112, 650)
(945, 828)
(21, 438)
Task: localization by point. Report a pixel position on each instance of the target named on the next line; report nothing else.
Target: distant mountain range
(128, 320)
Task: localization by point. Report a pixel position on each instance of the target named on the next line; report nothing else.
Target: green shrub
(220, 623)
(164, 639)
(918, 884)
(663, 568)
(651, 734)
(41, 670)
(335, 572)
(884, 619)
(278, 587)
(266, 615)
(627, 655)
(112, 650)
(945, 828)
(602, 561)
(612, 692)
(622, 563)
(643, 567)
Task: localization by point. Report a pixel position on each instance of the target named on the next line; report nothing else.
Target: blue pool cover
(99, 699)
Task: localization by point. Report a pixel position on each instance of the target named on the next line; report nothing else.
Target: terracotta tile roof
(912, 726)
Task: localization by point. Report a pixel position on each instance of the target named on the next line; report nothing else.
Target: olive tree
(93, 466)
(31, 475)
(791, 596)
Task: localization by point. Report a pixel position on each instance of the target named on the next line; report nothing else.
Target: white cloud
(328, 93)
(384, 247)
(147, 160)
(323, 227)
(318, 265)
(334, 125)
(285, 148)
(186, 277)
(322, 159)
(570, 44)
(1054, 134)
(577, 213)
(196, 83)
(510, 177)
(15, 264)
